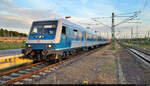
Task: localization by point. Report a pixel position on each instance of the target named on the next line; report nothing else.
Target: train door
(64, 37)
(69, 36)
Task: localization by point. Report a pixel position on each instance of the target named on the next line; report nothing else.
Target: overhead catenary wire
(130, 18)
(101, 23)
(142, 9)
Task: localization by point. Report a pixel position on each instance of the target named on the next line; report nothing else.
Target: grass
(11, 45)
(146, 46)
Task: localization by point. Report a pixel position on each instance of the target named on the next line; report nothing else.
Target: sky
(18, 15)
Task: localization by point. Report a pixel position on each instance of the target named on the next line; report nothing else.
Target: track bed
(96, 66)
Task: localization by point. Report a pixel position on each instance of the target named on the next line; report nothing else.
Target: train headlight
(40, 36)
(29, 45)
(49, 45)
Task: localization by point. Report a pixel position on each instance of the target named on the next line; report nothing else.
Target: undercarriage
(52, 55)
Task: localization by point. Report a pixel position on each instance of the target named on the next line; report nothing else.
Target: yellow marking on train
(56, 56)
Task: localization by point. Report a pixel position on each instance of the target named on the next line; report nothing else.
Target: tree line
(6, 33)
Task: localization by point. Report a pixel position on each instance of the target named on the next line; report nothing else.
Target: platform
(11, 61)
(9, 52)
(10, 58)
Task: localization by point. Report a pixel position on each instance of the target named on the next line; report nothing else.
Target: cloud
(12, 16)
(36, 13)
(14, 22)
(7, 4)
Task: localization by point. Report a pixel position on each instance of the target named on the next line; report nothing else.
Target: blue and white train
(55, 39)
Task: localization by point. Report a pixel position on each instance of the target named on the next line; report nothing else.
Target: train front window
(43, 29)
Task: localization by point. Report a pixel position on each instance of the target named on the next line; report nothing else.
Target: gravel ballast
(95, 68)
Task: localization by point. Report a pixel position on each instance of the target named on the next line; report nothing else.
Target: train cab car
(53, 38)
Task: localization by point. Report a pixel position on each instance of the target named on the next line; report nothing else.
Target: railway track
(18, 69)
(33, 72)
(141, 55)
(13, 73)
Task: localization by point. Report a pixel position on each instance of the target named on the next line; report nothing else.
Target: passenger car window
(75, 33)
(64, 30)
(35, 29)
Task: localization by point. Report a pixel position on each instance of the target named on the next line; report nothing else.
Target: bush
(6, 33)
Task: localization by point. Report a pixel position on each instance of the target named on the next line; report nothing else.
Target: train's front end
(42, 39)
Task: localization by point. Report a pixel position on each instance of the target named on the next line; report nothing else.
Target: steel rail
(140, 54)
(35, 72)
(18, 69)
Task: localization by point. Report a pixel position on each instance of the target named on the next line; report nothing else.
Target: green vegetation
(6, 33)
(141, 41)
(138, 40)
(11, 45)
(140, 45)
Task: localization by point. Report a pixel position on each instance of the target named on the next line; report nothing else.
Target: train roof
(78, 27)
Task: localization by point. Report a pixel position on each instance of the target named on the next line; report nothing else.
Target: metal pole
(137, 31)
(131, 34)
(113, 32)
(148, 37)
(148, 34)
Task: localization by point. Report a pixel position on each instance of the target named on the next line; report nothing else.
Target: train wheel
(35, 61)
(50, 58)
(64, 56)
(70, 54)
